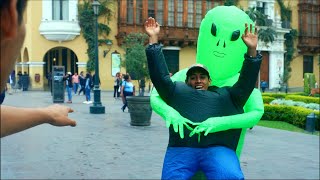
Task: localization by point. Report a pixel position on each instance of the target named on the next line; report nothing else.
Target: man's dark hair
(21, 5)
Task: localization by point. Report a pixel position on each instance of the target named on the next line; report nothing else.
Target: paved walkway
(107, 147)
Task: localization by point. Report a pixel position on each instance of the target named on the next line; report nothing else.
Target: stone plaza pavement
(107, 147)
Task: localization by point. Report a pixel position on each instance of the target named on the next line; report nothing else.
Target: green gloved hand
(170, 115)
(211, 125)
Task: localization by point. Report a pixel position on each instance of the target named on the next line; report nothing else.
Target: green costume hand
(177, 123)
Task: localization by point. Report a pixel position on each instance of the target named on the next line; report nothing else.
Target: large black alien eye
(214, 29)
(235, 35)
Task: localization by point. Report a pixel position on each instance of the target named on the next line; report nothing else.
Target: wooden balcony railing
(309, 44)
(169, 36)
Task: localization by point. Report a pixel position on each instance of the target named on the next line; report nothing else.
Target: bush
(291, 114)
(306, 99)
(275, 95)
(267, 99)
(309, 81)
(313, 106)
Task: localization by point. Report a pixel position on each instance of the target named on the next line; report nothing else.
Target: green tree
(87, 24)
(135, 58)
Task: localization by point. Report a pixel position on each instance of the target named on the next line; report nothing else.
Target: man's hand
(251, 40)
(58, 115)
(153, 29)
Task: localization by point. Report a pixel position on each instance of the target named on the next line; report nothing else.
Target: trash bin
(311, 122)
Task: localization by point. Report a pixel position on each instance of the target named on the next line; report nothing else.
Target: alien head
(220, 46)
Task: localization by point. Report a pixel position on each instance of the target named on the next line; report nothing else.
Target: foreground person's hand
(58, 115)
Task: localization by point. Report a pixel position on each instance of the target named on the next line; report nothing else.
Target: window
(209, 5)
(180, 13)
(151, 12)
(171, 13)
(190, 13)
(198, 13)
(159, 15)
(139, 12)
(261, 7)
(309, 19)
(130, 12)
(311, 24)
(60, 9)
(307, 64)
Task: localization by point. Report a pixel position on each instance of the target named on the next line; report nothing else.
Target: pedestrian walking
(82, 80)
(69, 86)
(142, 85)
(88, 87)
(263, 86)
(116, 85)
(75, 81)
(127, 89)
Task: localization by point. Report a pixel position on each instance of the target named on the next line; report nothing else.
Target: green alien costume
(221, 50)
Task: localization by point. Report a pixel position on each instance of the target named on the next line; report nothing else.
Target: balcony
(169, 36)
(57, 30)
(309, 44)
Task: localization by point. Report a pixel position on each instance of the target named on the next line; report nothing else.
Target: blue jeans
(88, 97)
(75, 87)
(69, 91)
(125, 94)
(216, 162)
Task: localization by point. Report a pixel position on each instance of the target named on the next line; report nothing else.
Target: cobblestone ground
(107, 147)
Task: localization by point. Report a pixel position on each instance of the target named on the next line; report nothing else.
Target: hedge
(304, 99)
(293, 97)
(291, 114)
(275, 95)
(267, 99)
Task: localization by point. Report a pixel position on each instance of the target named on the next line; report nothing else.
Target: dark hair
(126, 77)
(21, 5)
(88, 75)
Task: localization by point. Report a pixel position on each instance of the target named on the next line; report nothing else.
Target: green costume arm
(253, 112)
(170, 115)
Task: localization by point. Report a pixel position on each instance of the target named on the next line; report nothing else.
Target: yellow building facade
(55, 38)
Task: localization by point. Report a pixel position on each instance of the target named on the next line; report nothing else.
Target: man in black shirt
(196, 100)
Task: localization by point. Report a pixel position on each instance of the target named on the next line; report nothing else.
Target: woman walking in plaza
(127, 89)
(116, 85)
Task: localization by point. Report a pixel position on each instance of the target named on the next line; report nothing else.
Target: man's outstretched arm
(14, 119)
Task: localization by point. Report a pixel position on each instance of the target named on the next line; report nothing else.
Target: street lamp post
(97, 107)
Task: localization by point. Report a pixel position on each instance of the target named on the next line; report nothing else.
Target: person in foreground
(16, 119)
(196, 100)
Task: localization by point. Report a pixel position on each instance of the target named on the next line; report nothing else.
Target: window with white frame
(60, 9)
